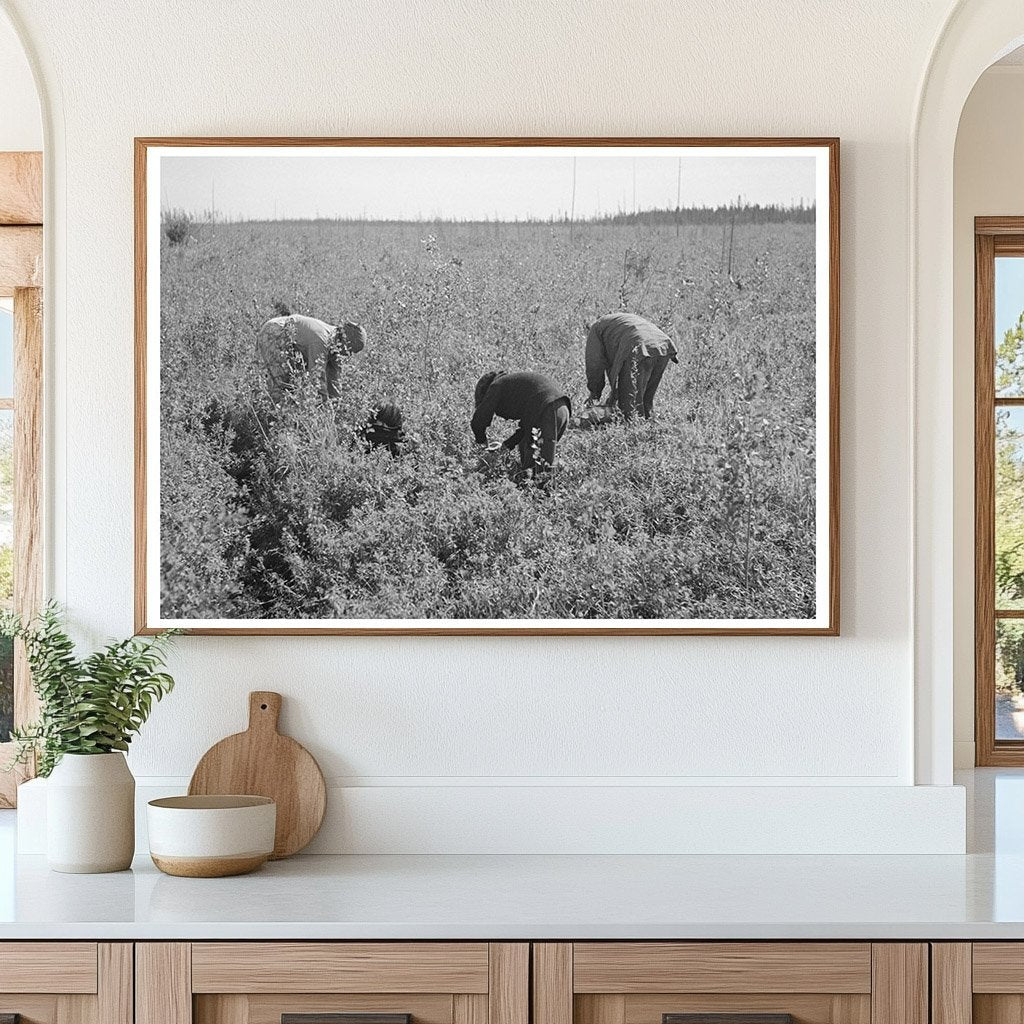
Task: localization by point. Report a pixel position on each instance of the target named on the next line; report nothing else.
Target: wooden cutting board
(262, 762)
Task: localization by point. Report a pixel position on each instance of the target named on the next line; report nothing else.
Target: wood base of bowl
(209, 867)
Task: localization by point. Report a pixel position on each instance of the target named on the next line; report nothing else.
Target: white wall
(987, 181)
(457, 712)
(21, 127)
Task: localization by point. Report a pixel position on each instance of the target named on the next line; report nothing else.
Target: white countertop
(977, 896)
(496, 897)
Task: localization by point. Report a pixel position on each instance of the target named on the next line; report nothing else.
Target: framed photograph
(495, 386)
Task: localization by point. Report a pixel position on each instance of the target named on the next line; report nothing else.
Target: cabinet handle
(337, 1018)
(727, 1018)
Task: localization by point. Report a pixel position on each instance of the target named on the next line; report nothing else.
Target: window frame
(21, 278)
(993, 237)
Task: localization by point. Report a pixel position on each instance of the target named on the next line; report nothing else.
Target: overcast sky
(474, 184)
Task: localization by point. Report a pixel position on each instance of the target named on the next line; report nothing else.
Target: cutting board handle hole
(263, 707)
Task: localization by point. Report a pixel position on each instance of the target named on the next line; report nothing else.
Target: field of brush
(705, 512)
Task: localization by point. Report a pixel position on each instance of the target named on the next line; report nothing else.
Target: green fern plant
(90, 705)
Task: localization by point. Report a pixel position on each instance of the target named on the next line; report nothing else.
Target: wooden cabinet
(978, 983)
(494, 983)
(753, 982)
(66, 982)
(306, 982)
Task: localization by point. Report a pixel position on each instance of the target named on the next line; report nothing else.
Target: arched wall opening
(986, 182)
(21, 122)
(21, 138)
(976, 34)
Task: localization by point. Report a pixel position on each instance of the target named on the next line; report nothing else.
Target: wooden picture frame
(993, 237)
(148, 206)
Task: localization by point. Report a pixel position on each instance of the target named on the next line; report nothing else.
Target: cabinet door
(730, 983)
(65, 983)
(981, 982)
(332, 983)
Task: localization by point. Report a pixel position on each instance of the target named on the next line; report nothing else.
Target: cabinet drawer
(635, 967)
(998, 967)
(66, 982)
(332, 983)
(340, 967)
(64, 967)
(730, 983)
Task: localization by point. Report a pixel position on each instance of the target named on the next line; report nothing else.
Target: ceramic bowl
(211, 836)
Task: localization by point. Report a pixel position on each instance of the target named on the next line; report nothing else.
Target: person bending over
(536, 401)
(385, 428)
(292, 345)
(633, 354)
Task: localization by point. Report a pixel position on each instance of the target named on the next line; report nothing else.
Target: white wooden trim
(526, 819)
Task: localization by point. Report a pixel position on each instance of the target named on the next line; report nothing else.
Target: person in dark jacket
(385, 428)
(633, 354)
(536, 401)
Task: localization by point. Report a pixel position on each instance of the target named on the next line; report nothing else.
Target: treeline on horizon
(732, 213)
(747, 213)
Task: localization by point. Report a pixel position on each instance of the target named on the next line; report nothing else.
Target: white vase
(90, 814)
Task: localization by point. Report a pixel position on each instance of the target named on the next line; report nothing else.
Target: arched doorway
(975, 35)
(21, 257)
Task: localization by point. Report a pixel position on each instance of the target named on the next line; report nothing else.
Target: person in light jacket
(290, 345)
(537, 402)
(632, 354)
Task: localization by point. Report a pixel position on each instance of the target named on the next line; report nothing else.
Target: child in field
(385, 428)
(633, 354)
(536, 401)
(293, 344)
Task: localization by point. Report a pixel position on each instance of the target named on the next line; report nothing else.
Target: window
(20, 502)
(999, 490)
(6, 510)
(21, 366)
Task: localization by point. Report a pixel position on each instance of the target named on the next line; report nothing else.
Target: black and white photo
(482, 386)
